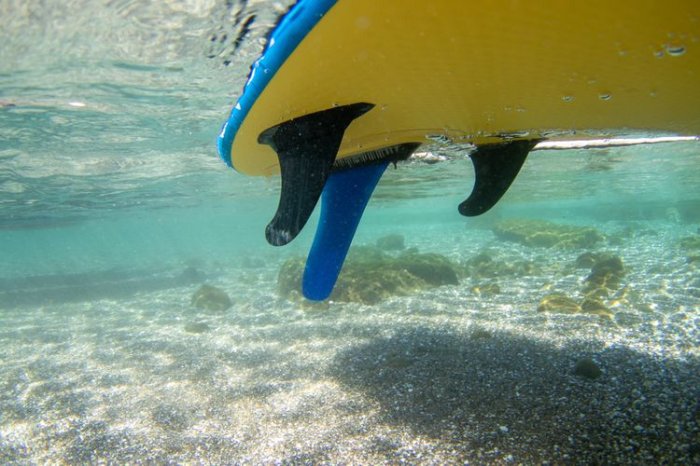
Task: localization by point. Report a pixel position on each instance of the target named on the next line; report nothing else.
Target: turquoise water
(115, 209)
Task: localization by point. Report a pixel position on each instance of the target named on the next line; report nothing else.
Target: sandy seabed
(444, 376)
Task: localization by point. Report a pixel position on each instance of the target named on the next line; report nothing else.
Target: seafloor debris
(587, 368)
(211, 298)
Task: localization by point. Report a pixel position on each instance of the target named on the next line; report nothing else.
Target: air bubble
(362, 22)
(439, 138)
(675, 50)
(515, 135)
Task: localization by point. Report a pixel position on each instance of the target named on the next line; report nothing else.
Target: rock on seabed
(547, 234)
(211, 298)
(370, 275)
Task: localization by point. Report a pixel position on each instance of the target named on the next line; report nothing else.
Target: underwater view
(145, 319)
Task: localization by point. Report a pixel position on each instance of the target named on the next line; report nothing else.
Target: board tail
(307, 148)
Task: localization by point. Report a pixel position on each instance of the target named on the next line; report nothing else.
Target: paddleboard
(343, 85)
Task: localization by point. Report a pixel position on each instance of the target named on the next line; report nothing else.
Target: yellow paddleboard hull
(485, 71)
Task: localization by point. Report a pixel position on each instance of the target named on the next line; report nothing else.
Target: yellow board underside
(475, 70)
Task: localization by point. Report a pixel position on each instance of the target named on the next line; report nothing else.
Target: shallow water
(115, 208)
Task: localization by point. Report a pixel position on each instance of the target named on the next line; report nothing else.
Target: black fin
(306, 147)
(495, 168)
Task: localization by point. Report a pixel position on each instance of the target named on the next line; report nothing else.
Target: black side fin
(306, 147)
(495, 167)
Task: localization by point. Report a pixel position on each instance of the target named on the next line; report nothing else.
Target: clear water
(114, 209)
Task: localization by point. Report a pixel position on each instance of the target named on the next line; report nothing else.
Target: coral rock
(370, 275)
(607, 272)
(211, 298)
(484, 266)
(559, 303)
(593, 306)
(393, 242)
(691, 242)
(547, 234)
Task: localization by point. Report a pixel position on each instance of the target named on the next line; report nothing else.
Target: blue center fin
(343, 201)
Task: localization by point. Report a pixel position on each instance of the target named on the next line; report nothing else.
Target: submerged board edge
(284, 39)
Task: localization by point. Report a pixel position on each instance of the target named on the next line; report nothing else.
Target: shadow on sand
(480, 394)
